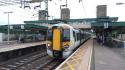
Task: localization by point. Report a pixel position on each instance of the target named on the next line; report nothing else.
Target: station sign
(22, 26)
(106, 25)
(11, 27)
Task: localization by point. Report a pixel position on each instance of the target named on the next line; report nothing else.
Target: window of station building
(49, 35)
(66, 35)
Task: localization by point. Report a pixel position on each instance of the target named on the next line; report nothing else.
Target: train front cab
(58, 41)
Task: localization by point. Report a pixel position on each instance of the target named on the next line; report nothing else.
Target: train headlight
(48, 45)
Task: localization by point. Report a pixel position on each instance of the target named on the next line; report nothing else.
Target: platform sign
(22, 26)
(11, 27)
(1, 38)
(106, 25)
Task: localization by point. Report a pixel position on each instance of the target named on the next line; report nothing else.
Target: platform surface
(5, 48)
(80, 59)
(107, 58)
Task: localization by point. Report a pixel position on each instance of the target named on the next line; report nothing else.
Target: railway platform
(16, 46)
(92, 56)
(108, 58)
(80, 59)
(18, 49)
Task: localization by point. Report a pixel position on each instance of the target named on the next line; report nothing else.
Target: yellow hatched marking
(73, 62)
(70, 66)
(56, 39)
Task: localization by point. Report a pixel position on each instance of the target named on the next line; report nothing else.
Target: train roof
(63, 25)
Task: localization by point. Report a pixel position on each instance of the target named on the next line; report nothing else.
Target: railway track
(20, 62)
(45, 63)
(38, 61)
(52, 64)
(35, 65)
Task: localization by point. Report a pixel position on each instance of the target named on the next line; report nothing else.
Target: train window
(49, 35)
(66, 35)
(74, 35)
(78, 36)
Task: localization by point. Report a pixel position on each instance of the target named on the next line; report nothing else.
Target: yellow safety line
(90, 60)
(70, 66)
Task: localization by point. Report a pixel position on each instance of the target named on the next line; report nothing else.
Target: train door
(57, 48)
(74, 39)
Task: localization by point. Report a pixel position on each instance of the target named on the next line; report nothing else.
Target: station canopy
(91, 20)
(21, 28)
(37, 25)
(85, 23)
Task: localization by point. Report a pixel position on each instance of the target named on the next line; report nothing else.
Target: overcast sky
(77, 10)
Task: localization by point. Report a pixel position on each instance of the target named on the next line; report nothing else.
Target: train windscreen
(49, 35)
(66, 35)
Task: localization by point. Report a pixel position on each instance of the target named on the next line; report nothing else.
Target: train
(62, 39)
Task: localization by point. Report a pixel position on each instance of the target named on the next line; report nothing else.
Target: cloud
(77, 10)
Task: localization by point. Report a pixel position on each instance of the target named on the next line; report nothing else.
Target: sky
(85, 9)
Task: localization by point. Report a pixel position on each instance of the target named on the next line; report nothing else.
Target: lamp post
(120, 3)
(63, 5)
(51, 17)
(8, 38)
(66, 3)
(46, 2)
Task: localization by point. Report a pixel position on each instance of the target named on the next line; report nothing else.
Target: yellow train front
(62, 39)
